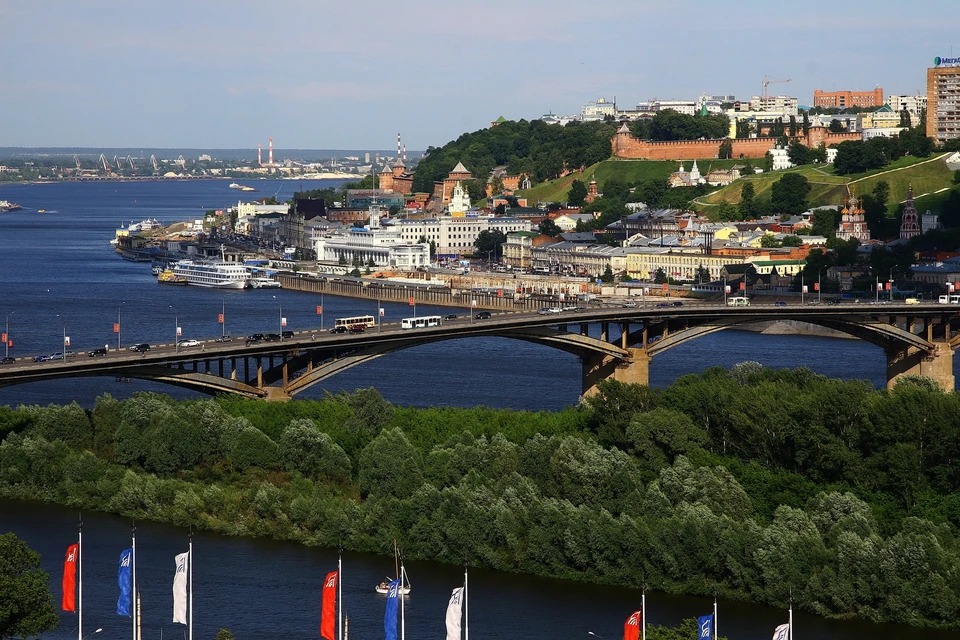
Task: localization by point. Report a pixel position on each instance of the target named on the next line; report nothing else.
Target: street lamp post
(119, 326)
(890, 282)
(6, 338)
(176, 329)
(223, 318)
(281, 317)
(819, 285)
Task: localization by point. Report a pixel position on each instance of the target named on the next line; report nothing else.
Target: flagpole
(190, 571)
(133, 571)
(790, 616)
(403, 620)
(643, 608)
(340, 590)
(466, 606)
(714, 613)
(80, 577)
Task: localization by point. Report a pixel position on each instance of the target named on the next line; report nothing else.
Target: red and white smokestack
(404, 153)
(260, 154)
(398, 146)
(271, 152)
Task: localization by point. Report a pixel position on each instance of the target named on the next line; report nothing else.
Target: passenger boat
(263, 283)
(218, 274)
(167, 276)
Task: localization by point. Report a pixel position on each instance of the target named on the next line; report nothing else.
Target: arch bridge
(917, 339)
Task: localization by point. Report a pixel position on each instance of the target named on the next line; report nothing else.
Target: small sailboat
(384, 587)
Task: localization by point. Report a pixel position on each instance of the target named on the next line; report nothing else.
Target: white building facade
(456, 236)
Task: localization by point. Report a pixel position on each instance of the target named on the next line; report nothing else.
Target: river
(60, 275)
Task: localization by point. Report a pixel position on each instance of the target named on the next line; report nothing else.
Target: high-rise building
(943, 99)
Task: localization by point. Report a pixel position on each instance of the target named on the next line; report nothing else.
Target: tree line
(750, 480)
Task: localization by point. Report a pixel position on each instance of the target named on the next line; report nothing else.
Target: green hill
(927, 175)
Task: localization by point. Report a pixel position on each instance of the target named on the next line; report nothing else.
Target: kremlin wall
(625, 146)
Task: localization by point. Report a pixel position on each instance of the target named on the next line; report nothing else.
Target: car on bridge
(339, 329)
(483, 315)
(272, 337)
(286, 334)
(544, 311)
(255, 337)
(7, 360)
(779, 303)
(43, 358)
(226, 338)
(630, 304)
(663, 305)
(450, 316)
(189, 343)
(102, 351)
(358, 328)
(141, 347)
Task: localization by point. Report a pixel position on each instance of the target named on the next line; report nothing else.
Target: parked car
(189, 343)
(483, 315)
(227, 338)
(97, 352)
(286, 334)
(143, 346)
(7, 360)
(340, 329)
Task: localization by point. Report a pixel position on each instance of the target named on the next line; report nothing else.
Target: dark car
(450, 316)
(97, 352)
(676, 303)
(143, 346)
(663, 305)
(272, 337)
(779, 303)
(358, 328)
(483, 315)
(7, 360)
(43, 358)
(255, 337)
(340, 329)
(287, 334)
(224, 339)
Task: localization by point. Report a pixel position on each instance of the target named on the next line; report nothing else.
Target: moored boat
(217, 274)
(263, 283)
(167, 276)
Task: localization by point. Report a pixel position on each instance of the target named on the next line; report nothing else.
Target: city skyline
(231, 75)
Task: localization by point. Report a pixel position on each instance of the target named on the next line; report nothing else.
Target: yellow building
(676, 263)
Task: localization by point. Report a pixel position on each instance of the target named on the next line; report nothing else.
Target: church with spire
(852, 222)
(909, 225)
(683, 178)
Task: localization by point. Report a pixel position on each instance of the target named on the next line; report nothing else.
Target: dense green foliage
(26, 604)
(855, 156)
(748, 480)
(534, 148)
(670, 124)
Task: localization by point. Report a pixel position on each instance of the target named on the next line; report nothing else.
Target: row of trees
(856, 156)
(747, 479)
(670, 124)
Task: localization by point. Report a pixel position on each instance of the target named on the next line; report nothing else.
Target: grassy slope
(630, 171)
(925, 174)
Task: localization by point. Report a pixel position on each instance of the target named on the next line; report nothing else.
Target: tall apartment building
(843, 99)
(943, 101)
(784, 105)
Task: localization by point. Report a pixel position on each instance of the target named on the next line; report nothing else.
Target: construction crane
(116, 161)
(153, 161)
(76, 159)
(133, 167)
(182, 163)
(103, 161)
(767, 81)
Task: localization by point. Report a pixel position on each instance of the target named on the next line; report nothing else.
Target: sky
(323, 74)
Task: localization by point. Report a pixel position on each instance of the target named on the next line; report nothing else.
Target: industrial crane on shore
(153, 161)
(106, 166)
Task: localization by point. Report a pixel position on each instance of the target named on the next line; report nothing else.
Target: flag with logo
(70, 578)
(390, 617)
(631, 628)
(328, 608)
(454, 614)
(180, 588)
(124, 581)
(705, 624)
(782, 632)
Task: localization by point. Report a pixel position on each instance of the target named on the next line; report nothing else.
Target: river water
(59, 274)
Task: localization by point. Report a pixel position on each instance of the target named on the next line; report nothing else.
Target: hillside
(927, 175)
(630, 171)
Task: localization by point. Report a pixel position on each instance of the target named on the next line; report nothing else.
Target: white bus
(738, 301)
(950, 299)
(366, 321)
(421, 322)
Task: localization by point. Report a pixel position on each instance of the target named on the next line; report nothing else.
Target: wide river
(60, 275)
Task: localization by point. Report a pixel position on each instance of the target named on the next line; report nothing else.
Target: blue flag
(706, 627)
(390, 617)
(123, 579)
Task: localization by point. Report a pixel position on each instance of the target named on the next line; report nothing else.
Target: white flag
(454, 614)
(782, 632)
(180, 589)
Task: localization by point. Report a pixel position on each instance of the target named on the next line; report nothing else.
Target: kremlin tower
(908, 224)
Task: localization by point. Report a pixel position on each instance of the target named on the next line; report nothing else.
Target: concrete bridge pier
(902, 360)
(596, 368)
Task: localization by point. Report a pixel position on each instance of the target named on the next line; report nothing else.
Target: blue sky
(323, 74)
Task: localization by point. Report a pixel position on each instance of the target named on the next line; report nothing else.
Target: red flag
(70, 578)
(116, 327)
(743, 286)
(631, 628)
(220, 318)
(412, 302)
(816, 286)
(328, 612)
